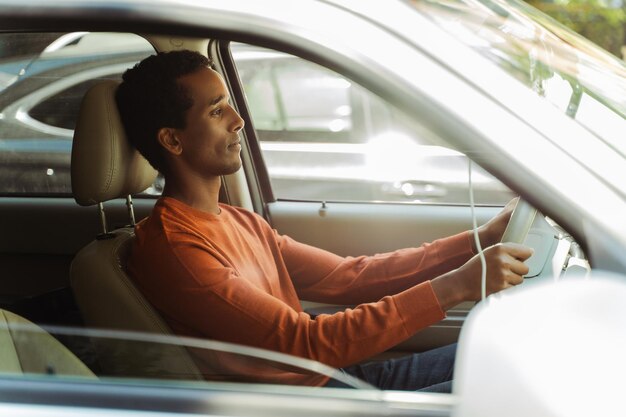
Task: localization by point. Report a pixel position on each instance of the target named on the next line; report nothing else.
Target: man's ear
(167, 138)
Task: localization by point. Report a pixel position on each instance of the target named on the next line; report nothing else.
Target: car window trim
(256, 172)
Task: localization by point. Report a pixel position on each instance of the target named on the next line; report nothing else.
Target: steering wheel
(519, 225)
(547, 254)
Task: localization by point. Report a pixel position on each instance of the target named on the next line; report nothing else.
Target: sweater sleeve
(324, 277)
(219, 302)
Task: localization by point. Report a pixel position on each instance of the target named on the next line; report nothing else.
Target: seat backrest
(104, 167)
(26, 348)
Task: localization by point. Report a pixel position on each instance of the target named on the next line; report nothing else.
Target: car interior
(64, 254)
(106, 167)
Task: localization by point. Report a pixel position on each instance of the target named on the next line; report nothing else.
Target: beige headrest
(104, 164)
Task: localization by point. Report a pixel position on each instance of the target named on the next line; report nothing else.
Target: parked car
(495, 83)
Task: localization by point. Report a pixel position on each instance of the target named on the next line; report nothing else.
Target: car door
(337, 167)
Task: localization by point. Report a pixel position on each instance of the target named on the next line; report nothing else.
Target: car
(311, 152)
(496, 86)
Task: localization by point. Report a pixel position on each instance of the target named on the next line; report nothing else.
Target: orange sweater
(231, 277)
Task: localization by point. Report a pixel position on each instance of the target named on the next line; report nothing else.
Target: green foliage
(592, 19)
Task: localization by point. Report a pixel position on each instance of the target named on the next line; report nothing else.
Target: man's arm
(321, 276)
(324, 277)
(505, 268)
(213, 301)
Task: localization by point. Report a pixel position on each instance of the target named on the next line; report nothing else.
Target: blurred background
(601, 21)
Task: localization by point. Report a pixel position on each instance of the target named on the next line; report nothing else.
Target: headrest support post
(131, 211)
(103, 218)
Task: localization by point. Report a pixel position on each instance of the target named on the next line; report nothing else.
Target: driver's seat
(106, 167)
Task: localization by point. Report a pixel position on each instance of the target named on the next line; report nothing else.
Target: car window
(324, 137)
(60, 110)
(43, 77)
(65, 352)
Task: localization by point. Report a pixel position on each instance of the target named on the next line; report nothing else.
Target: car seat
(26, 348)
(104, 166)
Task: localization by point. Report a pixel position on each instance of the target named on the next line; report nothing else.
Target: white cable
(481, 255)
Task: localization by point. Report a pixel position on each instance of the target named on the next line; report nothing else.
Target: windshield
(578, 77)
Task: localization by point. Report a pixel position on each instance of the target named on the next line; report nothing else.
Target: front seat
(104, 167)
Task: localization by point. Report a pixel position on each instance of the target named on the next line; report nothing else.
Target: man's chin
(232, 169)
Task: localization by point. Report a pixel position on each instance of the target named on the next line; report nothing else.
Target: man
(220, 272)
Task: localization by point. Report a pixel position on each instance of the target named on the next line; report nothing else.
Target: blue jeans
(429, 371)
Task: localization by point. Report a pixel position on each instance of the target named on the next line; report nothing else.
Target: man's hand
(505, 268)
(491, 232)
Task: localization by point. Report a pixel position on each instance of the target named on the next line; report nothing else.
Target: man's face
(210, 140)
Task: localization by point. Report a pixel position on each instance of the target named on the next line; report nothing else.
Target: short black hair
(150, 98)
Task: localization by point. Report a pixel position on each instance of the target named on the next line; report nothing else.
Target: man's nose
(238, 123)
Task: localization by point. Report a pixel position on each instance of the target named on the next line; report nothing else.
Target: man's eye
(216, 112)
